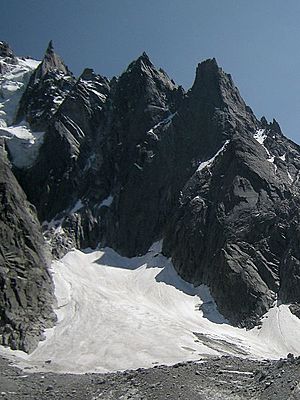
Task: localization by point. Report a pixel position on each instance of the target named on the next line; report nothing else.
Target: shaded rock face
(95, 148)
(231, 230)
(54, 182)
(137, 159)
(142, 106)
(215, 110)
(290, 271)
(25, 284)
(155, 136)
(67, 171)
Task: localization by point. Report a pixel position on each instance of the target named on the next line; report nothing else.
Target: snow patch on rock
(260, 136)
(208, 163)
(22, 143)
(107, 202)
(164, 124)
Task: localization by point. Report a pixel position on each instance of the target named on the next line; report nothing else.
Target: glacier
(116, 313)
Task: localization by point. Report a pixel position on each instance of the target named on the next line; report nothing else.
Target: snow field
(116, 313)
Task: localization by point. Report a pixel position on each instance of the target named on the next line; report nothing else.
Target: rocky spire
(213, 85)
(214, 96)
(141, 66)
(264, 122)
(51, 62)
(5, 50)
(143, 58)
(51, 80)
(275, 127)
(142, 70)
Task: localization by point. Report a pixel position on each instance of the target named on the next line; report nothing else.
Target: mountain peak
(263, 122)
(136, 161)
(207, 69)
(144, 57)
(51, 62)
(50, 48)
(275, 127)
(142, 61)
(209, 64)
(5, 50)
(143, 66)
(87, 74)
(215, 87)
(208, 77)
(272, 126)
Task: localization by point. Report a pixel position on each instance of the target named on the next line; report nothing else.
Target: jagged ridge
(136, 159)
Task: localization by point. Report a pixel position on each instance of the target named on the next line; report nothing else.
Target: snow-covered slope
(116, 313)
(13, 81)
(23, 144)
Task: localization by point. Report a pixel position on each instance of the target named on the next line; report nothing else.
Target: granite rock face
(231, 231)
(135, 159)
(25, 284)
(66, 181)
(142, 108)
(53, 182)
(154, 160)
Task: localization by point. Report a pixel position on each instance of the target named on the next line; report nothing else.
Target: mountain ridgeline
(133, 160)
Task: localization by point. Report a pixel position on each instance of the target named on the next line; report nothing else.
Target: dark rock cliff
(54, 182)
(230, 231)
(157, 157)
(25, 285)
(143, 104)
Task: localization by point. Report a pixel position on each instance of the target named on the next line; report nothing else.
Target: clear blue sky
(257, 41)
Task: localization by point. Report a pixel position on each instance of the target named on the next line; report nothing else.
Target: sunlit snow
(283, 157)
(12, 85)
(116, 313)
(162, 124)
(209, 162)
(260, 136)
(23, 144)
